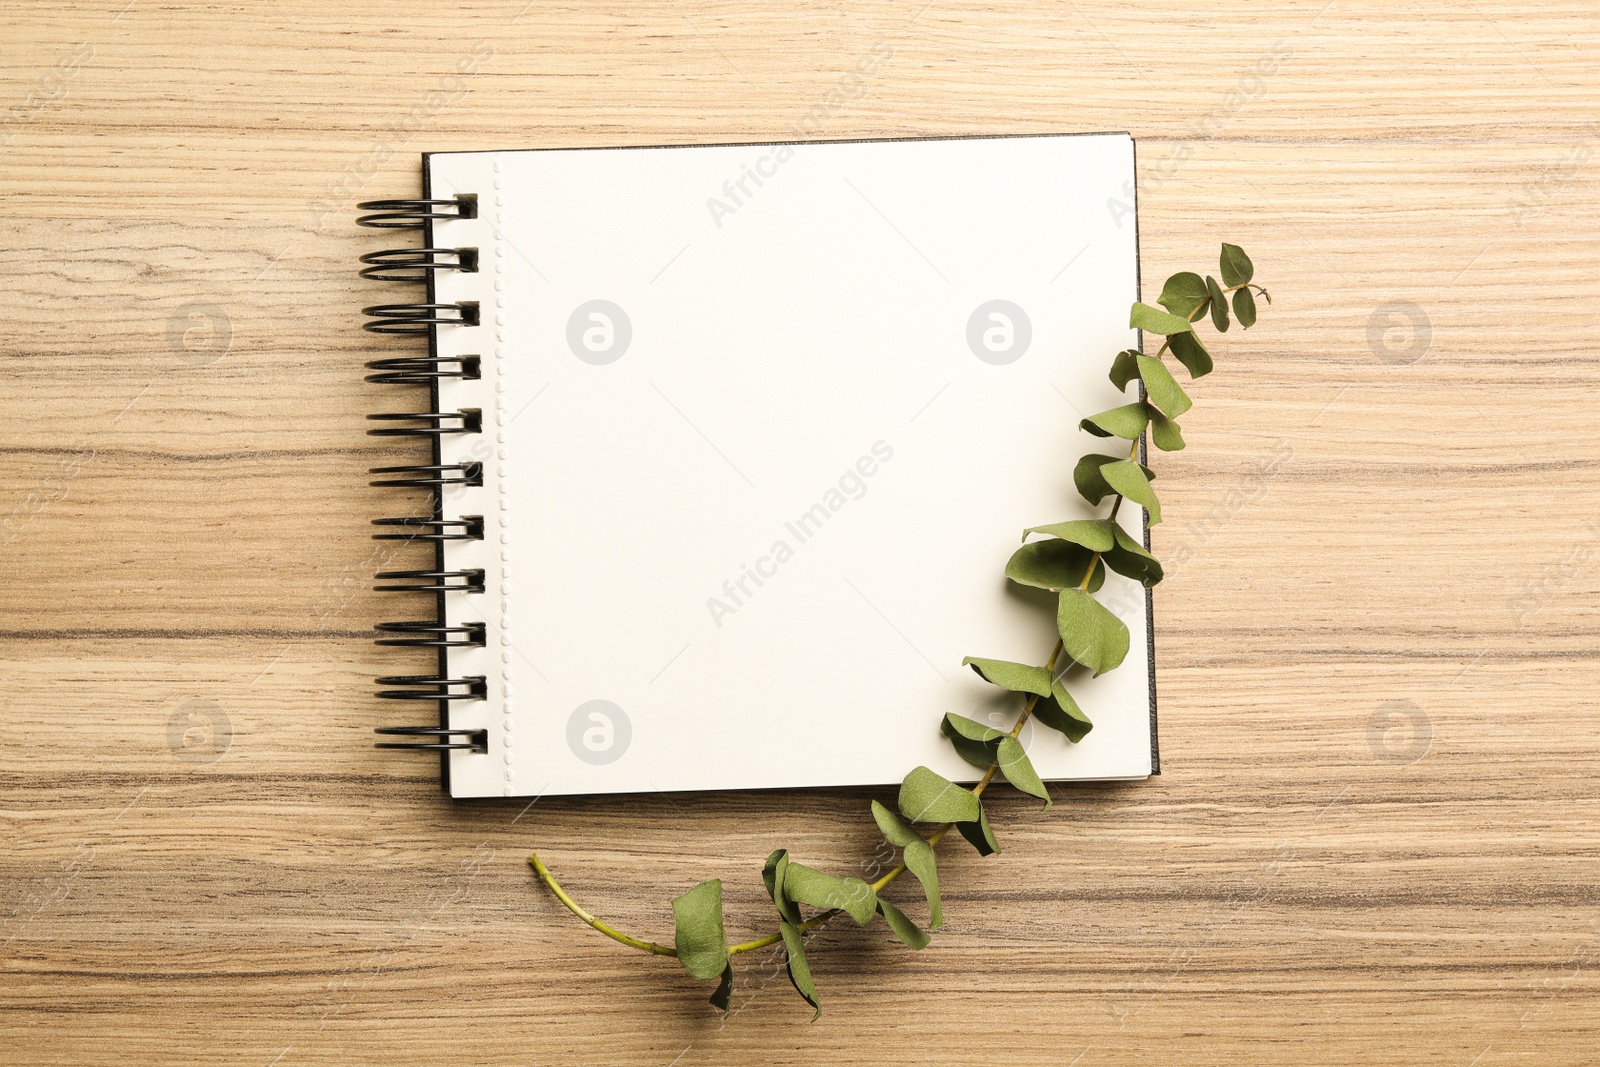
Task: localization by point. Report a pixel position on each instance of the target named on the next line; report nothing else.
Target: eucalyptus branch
(1070, 561)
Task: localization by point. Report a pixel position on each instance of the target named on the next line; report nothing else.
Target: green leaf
(1236, 266)
(1153, 320)
(1090, 634)
(811, 886)
(918, 856)
(1053, 564)
(1086, 476)
(1127, 478)
(1124, 368)
(1244, 306)
(1164, 433)
(799, 970)
(702, 945)
(979, 753)
(1093, 534)
(1018, 769)
(1162, 388)
(971, 728)
(1017, 677)
(1126, 422)
(979, 835)
(1219, 305)
(906, 930)
(722, 996)
(929, 797)
(1060, 712)
(1130, 559)
(1183, 294)
(777, 866)
(1191, 352)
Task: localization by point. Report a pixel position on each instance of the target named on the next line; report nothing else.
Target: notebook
(730, 446)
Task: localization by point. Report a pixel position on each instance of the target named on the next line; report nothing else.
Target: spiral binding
(420, 265)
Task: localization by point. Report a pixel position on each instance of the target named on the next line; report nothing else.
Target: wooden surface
(1375, 840)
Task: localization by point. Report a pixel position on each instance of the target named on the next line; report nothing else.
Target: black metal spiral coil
(423, 319)
(424, 370)
(415, 214)
(466, 528)
(434, 423)
(467, 581)
(475, 740)
(418, 318)
(430, 474)
(416, 264)
(434, 687)
(430, 633)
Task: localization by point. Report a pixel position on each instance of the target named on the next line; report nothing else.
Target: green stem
(577, 909)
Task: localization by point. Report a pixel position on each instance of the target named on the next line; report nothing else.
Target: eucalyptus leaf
(1086, 476)
(1132, 560)
(906, 930)
(1162, 388)
(1060, 712)
(1124, 368)
(722, 996)
(1093, 534)
(976, 752)
(1219, 305)
(1127, 478)
(811, 886)
(1236, 266)
(1018, 769)
(929, 797)
(1126, 422)
(979, 835)
(1244, 307)
(772, 874)
(1017, 677)
(1164, 433)
(917, 855)
(971, 728)
(799, 970)
(1191, 352)
(1054, 564)
(702, 945)
(1089, 632)
(1154, 320)
(1183, 294)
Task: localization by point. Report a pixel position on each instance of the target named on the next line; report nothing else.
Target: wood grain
(1300, 885)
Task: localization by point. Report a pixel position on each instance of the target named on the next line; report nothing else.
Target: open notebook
(736, 441)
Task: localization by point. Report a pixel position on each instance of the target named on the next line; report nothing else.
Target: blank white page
(762, 425)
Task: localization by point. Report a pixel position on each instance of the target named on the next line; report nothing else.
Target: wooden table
(1375, 837)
